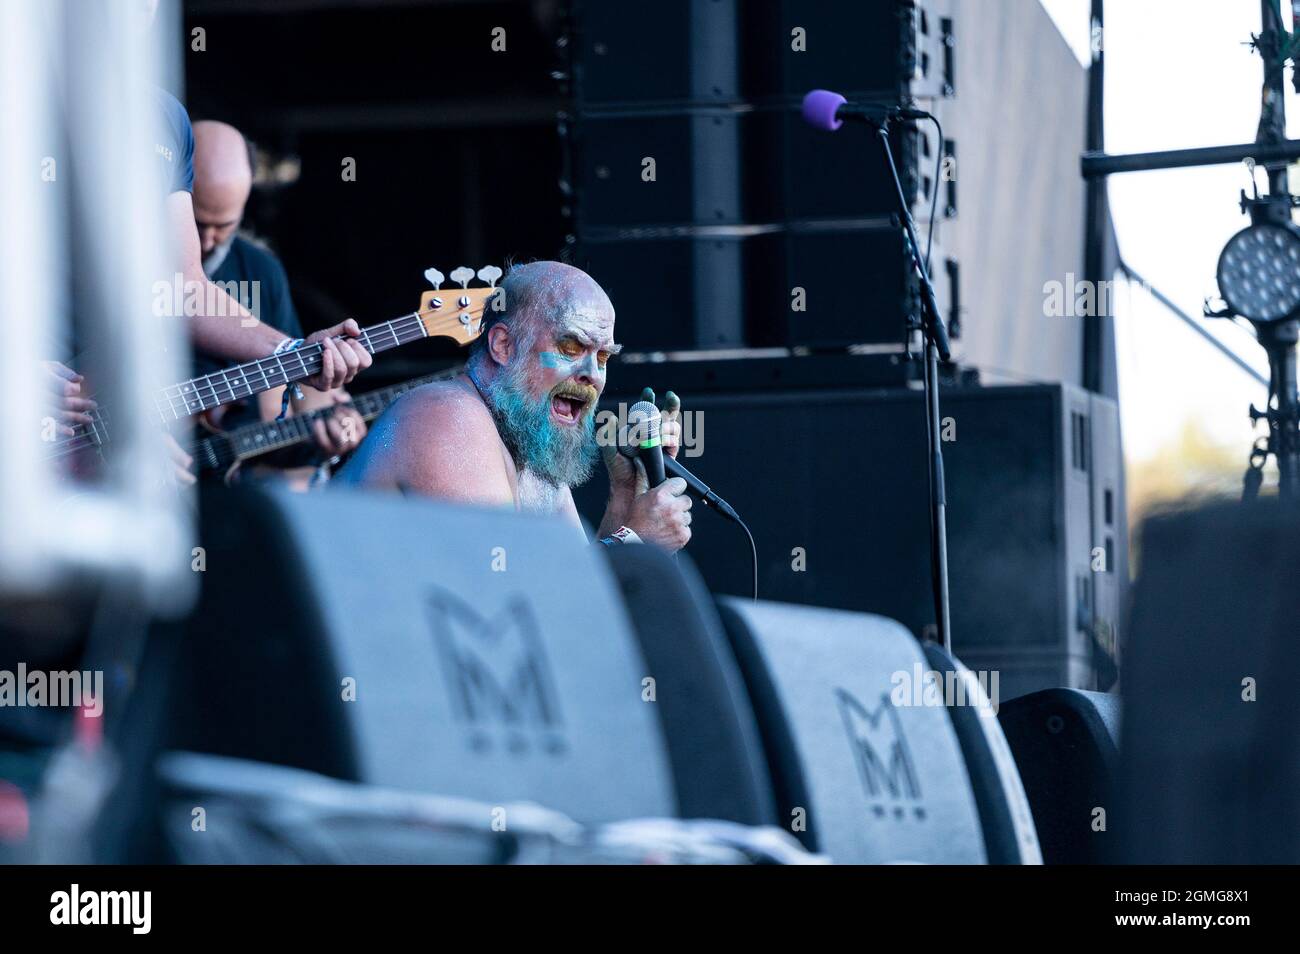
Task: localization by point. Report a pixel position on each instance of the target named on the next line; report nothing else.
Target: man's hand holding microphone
(641, 499)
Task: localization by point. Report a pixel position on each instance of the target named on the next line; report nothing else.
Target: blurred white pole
(29, 266)
(78, 83)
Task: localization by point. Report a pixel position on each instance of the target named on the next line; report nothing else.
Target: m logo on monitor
(498, 678)
(884, 761)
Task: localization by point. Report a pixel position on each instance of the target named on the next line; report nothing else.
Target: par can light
(1259, 272)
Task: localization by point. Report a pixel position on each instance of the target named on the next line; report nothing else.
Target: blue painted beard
(562, 456)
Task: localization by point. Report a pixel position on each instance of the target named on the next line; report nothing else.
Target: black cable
(934, 190)
(753, 549)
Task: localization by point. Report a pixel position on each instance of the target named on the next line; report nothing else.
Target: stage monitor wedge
(864, 770)
(1210, 752)
(418, 646)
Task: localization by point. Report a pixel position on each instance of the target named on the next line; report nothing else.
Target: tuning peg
(435, 277)
(489, 274)
(462, 275)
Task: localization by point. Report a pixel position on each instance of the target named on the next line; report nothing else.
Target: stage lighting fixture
(1259, 272)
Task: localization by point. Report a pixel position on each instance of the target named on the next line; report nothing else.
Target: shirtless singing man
(518, 428)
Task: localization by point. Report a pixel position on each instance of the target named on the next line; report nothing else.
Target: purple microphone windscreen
(819, 108)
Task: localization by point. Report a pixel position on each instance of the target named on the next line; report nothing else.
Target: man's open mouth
(568, 408)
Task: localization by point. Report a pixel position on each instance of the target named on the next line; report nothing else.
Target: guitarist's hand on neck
(342, 355)
(64, 386)
(342, 429)
(222, 326)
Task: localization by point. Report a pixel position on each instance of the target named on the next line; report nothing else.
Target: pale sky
(1178, 74)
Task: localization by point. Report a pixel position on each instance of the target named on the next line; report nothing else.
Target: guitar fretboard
(243, 380)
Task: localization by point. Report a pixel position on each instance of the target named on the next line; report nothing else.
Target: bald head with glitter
(540, 366)
(546, 296)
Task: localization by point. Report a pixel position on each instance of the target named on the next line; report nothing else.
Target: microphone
(825, 110)
(643, 426)
(644, 421)
(694, 486)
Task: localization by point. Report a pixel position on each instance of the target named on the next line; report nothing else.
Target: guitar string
(370, 405)
(197, 386)
(397, 328)
(232, 379)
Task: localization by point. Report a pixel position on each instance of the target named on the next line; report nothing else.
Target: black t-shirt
(255, 278)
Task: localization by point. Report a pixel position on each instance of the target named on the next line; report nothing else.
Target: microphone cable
(934, 197)
(753, 549)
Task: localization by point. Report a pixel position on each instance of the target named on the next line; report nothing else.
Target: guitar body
(207, 425)
(219, 450)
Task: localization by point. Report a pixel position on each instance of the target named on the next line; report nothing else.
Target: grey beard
(212, 261)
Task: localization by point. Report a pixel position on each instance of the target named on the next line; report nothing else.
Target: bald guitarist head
(518, 428)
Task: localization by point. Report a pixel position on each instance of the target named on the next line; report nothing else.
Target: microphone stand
(936, 346)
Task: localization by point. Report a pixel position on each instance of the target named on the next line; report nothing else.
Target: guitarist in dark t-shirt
(251, 273)
(233, 334)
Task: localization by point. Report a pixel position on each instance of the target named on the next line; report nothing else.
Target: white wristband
(624, 535)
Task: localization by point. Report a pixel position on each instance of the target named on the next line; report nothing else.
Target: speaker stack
(689, 168)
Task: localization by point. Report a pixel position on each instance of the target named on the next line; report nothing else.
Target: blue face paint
(556, 361)
(587, 364)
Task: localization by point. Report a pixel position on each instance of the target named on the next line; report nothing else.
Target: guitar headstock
(457, 313)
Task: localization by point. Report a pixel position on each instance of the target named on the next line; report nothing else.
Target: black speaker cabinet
(833, 486)
(732, 288)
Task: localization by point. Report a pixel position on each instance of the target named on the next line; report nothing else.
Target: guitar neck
(219, 451)
(180, 401)
(450, 313)
(244, 380)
